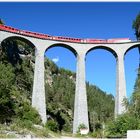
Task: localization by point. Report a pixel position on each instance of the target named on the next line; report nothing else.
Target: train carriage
(60, 38)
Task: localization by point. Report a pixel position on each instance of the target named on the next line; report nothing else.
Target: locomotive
(60, 38)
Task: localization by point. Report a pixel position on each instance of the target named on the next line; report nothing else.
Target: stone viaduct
(80, 50)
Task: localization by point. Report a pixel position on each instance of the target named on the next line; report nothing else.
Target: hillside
(60, 99)
(16, 74)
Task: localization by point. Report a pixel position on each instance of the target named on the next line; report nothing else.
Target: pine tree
(1, 21)
(137, 83)
(136, 26)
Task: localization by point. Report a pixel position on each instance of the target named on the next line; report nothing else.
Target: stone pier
(80, 107)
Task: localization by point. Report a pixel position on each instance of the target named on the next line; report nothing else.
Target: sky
(81, 20)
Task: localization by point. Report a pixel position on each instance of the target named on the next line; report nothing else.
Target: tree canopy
(1, 22)
(136, 25)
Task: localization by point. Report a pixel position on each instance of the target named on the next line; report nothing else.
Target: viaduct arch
(132, 47)
(64, 46)
(80, 50)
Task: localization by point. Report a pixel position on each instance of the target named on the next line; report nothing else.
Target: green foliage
(16, 76)
(136, 25)
(6, 80)
(26, 112)
(131, 119)
(119, 127)
(97, 134)
(7, 77)
(100, 105)
(134, 102)
(136, 22)
(20, 123)
(137, 82)
(52, 125)
(82, 126)
(7, 136)
(42, 133)
(2, 22)
(60, 96)
(59, 100)
(50, 65)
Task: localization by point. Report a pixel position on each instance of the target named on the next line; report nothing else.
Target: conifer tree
(1, 21)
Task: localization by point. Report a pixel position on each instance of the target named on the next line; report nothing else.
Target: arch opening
(132, 47)
(63, 46)
(17, 59)
(60, 67)
(103, 48)
(100, 89)
(17, 48)
(132, 65)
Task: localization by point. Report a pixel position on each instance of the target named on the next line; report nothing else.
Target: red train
(59, 38)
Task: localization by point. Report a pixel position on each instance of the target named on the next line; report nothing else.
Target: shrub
(67, 127)
(52, 125)
(82, 126)
(32, 115)
(119, 127)
(26, 112)
(97, 134)
(18, 123)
